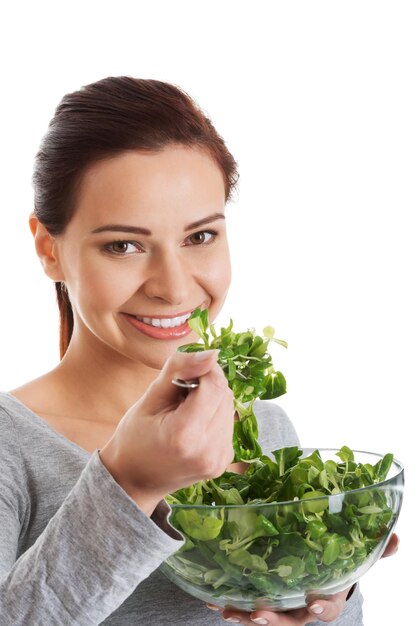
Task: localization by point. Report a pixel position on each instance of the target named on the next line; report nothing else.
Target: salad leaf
(249, 369)
(204, 525)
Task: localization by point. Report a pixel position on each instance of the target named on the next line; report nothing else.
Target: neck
(100, 379)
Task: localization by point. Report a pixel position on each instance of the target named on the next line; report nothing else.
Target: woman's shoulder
(15, 435)
(22, 432)
(13, 472)
(275, 429)
(7, 425)
(12, 415)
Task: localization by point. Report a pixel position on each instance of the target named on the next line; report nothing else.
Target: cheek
(219, 275)
(105, 288)
(223, 279)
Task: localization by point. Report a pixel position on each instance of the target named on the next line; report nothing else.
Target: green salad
(250, 372)
(266, 550)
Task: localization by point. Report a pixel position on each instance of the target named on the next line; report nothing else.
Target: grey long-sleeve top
(76, 550)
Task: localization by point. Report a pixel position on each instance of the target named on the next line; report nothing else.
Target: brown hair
(101, 120)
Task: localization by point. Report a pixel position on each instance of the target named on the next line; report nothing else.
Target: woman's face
(146, 246)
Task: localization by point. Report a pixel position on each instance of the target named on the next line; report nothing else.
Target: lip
(158, 333)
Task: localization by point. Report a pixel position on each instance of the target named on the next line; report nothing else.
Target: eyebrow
(145, 231)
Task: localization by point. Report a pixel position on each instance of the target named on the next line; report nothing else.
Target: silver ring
(187, 384)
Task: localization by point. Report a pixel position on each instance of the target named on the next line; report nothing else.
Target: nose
(169, 278)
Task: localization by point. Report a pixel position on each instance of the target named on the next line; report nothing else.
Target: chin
(155, 358)
(155, 361)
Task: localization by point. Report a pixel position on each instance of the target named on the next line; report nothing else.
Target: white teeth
(164, 322)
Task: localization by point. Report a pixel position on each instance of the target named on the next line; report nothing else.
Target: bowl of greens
(307, 524)
(299, 523)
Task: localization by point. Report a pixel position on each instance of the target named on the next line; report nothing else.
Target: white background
(318, 103)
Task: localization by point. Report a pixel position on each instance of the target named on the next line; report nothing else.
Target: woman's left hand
(322, 610)
(392, 546)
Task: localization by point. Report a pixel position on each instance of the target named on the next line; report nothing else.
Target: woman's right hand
(166, 441)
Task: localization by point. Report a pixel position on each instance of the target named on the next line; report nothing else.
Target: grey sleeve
(275, 430)
(14, 502)
(92, 554)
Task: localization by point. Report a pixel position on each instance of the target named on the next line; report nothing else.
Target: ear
(46, 249)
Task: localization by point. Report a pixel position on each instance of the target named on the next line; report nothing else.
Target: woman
(131, 183)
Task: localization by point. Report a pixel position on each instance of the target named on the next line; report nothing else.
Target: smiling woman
(163, 273)
(108, 118)
(131, 182)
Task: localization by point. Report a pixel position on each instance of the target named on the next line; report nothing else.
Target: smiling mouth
(160, 321)
(164, 322)
(161, 328)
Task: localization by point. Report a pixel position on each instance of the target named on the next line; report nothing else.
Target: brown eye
(122, 247)
(119, 246)
(202, 237)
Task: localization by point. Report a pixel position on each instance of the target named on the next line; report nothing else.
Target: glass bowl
(279, 556)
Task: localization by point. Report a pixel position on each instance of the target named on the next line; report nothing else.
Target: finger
(224, 418)
(298, 617)
(328, 610)
(203, 425)
(212, 400)
(392, 546)
(323, 610)
(224, 415)
(162, 393)
(212, 391)
(221, 429)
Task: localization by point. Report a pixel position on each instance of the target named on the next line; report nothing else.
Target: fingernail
(204, 354)
(233, 619)
(214, 607)
(259, 620)
(317, 609)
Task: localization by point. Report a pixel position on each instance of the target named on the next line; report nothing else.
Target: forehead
(178, 182)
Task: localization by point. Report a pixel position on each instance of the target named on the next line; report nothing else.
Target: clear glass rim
(337, 496)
